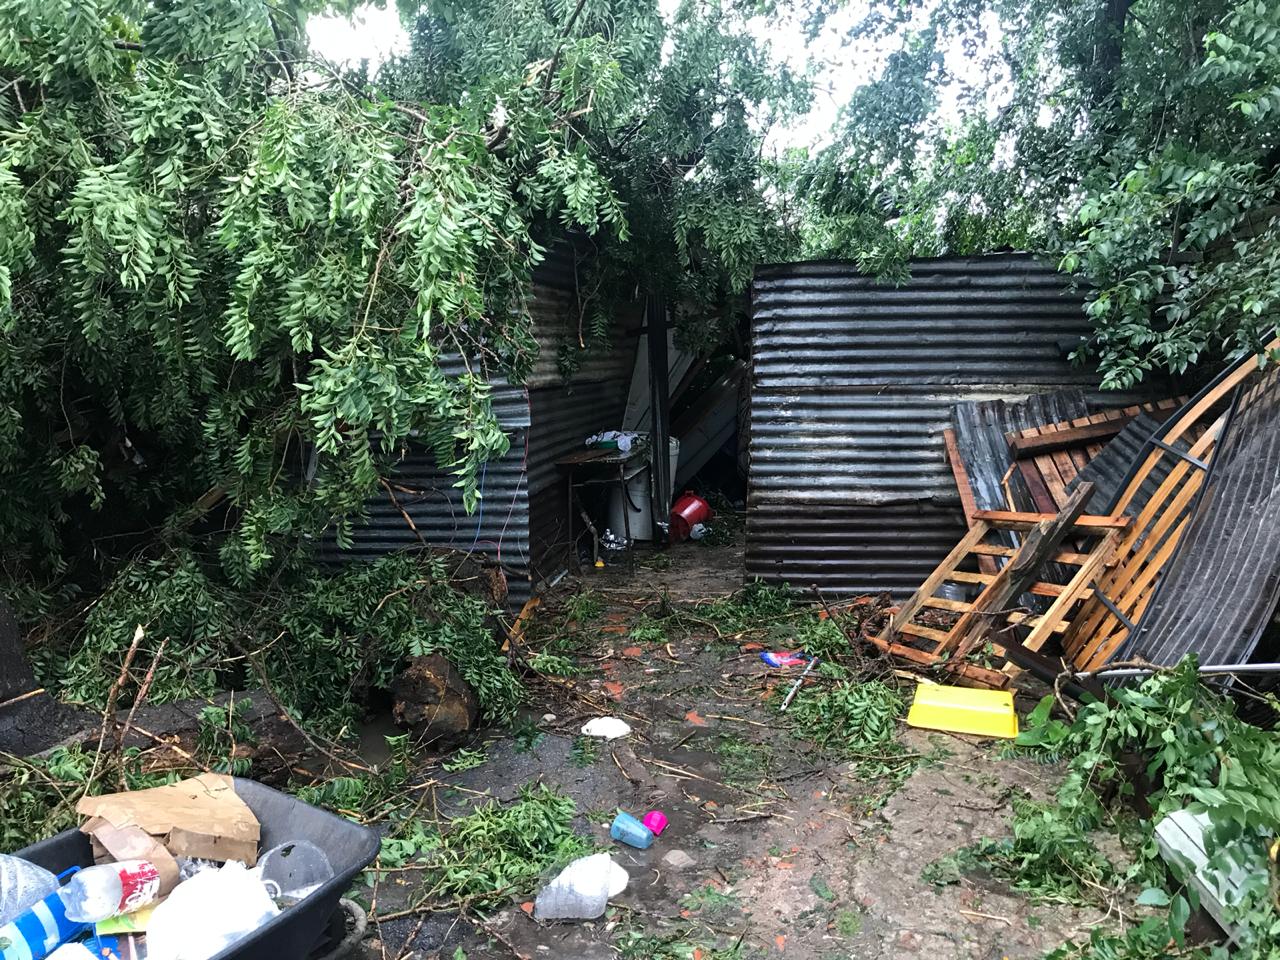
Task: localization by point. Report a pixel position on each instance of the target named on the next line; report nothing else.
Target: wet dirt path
(774, 849)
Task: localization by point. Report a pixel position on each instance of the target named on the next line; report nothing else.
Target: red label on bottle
(139, 885)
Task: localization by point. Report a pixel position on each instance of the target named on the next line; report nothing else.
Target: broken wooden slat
(1018, 574)
(1011, 520)
(1062, 556)
(1039, 589)
(1022, 446)
(935, 579)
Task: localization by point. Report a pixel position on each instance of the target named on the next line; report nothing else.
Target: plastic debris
(208, 913)
(656, 821)
(292, 871)
(622, 439)
(22, 886)
(110, 889)
(582, 889)
(608, 728)
(986, 713)
(777, 658)
(627, 829)
(33, 934)
(72, 951)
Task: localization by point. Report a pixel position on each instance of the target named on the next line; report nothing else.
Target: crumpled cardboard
(202, 818)
(114, 844)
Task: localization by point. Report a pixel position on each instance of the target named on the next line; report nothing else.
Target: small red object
(688, 510)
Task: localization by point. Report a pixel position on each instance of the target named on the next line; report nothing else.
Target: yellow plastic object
(986, 713)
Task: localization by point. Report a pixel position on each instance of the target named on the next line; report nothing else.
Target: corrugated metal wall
(854, 381)
(522, 492)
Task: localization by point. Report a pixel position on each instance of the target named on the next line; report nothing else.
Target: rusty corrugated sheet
(981, 427)
(562, 419)
(854, 382)
(1109, 471)
(521, 491)
(1220, 591)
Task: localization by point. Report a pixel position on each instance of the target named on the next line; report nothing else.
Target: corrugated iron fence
(854, 381)
(522, 523)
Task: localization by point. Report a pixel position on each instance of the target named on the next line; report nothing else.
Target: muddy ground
(772, 848)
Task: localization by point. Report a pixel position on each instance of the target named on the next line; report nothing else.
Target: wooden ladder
(1018, 570)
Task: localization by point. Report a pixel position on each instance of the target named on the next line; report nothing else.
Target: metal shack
(853, 385)
(522, 523)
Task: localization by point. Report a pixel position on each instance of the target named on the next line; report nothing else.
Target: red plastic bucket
(688, 510)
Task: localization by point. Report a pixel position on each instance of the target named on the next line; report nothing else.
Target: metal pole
(1213, 669)
(659, 413)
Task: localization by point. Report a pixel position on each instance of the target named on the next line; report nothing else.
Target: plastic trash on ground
(582, 889)
(608, 728)
(292, 871)
(656, 821)
(627, 829)
(22, 886)
(986, 713)
(208, 913)
(72, 951)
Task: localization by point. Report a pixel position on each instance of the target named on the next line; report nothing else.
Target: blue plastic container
(627, 829)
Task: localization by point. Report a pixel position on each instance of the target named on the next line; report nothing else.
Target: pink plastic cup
(656, 821)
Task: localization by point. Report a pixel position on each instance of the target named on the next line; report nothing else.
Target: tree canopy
(236, 279)
(1133, 140)
(231, 274)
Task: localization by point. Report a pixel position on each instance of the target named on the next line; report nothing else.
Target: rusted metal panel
(1219, 593)
(562, 419)
(854, 381)
(874, 548)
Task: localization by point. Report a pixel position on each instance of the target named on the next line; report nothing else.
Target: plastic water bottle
(582, 890)
(108, 890)
(22, 885)
(627, 829)
(38, 931)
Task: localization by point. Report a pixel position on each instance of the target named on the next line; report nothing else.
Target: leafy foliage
(320, 636)
(855, 717)
(494, 852)
(1133, 141)
(236, 282)
(1200, 756)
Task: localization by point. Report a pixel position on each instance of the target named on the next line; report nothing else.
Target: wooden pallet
(1121, 596)
(1049, 456)
(994, 610)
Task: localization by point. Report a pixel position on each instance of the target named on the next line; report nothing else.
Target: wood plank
(936, 579)
(965, 488)
(1036, 621)
(967, 502)
(1039, 490)
(1062, 556)
(925, 633)
(1018, 574)
(1084, 577)
(1021, 447)
(1017, 520)
(1039, 589)
(971, 672)
(942, 603)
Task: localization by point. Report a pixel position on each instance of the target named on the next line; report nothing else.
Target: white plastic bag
(208, 913)
(609, 728)
(582, 890)
(22, 886)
